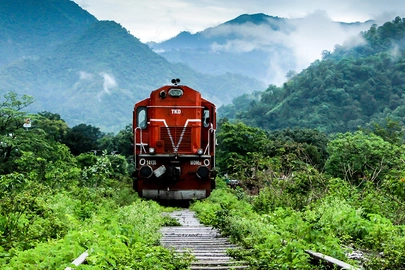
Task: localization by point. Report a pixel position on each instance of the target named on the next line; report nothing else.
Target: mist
(305, 39)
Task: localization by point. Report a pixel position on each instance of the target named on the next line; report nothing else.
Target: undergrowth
(336, 224)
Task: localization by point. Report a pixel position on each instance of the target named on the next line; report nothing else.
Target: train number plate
(151, 162)
(195, 162)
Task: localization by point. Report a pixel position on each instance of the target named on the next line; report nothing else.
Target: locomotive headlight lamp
(146, 171)
(175, 92)
(202, 172)
(151, 150)
(200, 151)
(162, 94)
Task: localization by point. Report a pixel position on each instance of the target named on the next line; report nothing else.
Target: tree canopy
(351, 87)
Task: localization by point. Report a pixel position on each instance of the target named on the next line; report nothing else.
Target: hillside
(217, 50)
(350, 87)
(257, 45)
(90, 71)
(35, 28)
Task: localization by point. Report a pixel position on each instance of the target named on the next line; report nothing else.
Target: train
(174, 144)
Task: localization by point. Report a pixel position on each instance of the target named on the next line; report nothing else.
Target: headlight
(151, 150)
(202, 172)
(175, 92)
(146, 171)
(200, 151)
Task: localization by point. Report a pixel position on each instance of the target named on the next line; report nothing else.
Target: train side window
(206, 118)
(141, 117)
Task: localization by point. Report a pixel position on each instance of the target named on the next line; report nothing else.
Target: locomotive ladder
(205, 243)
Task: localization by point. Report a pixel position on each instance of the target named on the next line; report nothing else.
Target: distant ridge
(90, 71)
(256, 45)
(257, 19)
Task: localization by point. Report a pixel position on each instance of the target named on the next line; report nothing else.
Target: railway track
(205, 243)
(209, 247)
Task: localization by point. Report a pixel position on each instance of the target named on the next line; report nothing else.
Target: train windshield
(141, 117)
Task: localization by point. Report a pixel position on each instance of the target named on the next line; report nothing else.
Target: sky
(159, 20)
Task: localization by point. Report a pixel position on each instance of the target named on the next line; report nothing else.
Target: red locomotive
(174, 144)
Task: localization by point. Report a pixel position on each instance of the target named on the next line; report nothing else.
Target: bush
(117, 238)
(25, 217)
(296, 191)
(276, 240)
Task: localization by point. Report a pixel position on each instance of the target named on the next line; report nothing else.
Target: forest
(341, 192)
(350, 87)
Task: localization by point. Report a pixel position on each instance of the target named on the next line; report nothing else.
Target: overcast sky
(158, 20)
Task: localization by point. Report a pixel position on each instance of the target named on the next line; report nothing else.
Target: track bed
(205, 243)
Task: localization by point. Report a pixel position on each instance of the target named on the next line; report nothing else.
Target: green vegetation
(276, 238)
(351, 87)
(323, 155)
(55, 205)
(298, 189)
(302, 190)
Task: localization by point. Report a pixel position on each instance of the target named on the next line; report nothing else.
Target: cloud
(313, 34)
(83, 75)
(109, 82)
(159, 20)
(317, 32)
(354, 41)
(395, 52)
(246, 37)
(305, 38)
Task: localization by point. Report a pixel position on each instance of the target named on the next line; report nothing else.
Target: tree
(12, 133)
(236, 141)
(83, 138)
(55, 127)
(358, 157)
(122, 143)
(391, 131)
(306, 145)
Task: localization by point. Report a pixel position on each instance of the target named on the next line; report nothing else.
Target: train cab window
(141, 117)
(206, 118)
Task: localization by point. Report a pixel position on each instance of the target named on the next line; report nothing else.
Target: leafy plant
(358, 157)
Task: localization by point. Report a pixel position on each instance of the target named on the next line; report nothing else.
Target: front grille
(180, 137)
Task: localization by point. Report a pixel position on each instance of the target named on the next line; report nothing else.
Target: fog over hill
(352, 87)
(261, 46)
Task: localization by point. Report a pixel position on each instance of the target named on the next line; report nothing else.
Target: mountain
(90, 71)
(258, 45)
(354, 86)
(35, 28)
(220, 49)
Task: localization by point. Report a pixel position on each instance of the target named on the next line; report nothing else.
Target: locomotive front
(174, 144)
